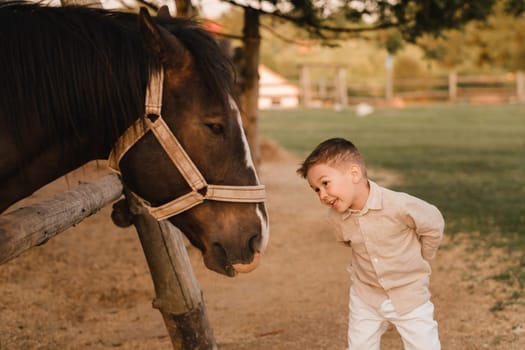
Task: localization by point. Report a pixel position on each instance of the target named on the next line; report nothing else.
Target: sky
(209, 8)
(212, 8)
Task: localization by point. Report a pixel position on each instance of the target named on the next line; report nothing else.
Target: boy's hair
(336, 152)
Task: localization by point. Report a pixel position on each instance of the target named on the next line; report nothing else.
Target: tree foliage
(499, 41)
(326, 19)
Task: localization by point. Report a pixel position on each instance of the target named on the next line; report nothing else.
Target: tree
(249, 73)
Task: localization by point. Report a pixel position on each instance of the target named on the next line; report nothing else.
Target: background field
(468, 160)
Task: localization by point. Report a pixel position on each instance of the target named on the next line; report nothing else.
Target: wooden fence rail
(178, 295)
(33, 225)
(455, 87)
(509, 87)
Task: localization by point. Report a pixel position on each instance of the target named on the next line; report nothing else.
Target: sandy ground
(90, 288)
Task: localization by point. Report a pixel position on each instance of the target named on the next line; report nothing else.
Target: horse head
(199, 109)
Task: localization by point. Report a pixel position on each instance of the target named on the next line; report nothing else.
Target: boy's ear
(356, 173)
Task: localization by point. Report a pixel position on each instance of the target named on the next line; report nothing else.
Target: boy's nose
(323, 196)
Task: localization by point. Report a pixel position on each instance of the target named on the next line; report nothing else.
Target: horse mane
(81, 71)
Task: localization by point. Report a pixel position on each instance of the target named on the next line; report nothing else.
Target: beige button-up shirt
(392, 238)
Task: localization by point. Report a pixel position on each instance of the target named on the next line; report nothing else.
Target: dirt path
(89, 287)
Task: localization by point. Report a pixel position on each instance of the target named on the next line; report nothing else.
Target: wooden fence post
(342, 94)
(305, 86)
(178, 295)
(389, 84)
(452, 86)
(520, 85)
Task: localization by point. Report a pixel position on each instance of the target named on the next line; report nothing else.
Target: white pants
(366, 325)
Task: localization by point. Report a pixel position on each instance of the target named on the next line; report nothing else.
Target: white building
(275, 91)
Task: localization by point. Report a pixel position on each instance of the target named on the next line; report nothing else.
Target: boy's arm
(428, 224)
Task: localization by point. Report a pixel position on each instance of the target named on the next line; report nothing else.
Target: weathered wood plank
(33, 225)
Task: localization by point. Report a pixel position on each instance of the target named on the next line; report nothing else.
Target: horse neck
(33, 175)
(46, 165)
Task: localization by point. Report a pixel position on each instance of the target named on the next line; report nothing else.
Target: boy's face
(338, 188)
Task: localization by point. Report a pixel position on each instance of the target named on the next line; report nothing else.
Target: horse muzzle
(245, 268)
(225, 261)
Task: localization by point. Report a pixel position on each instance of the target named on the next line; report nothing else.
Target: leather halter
(156, 124)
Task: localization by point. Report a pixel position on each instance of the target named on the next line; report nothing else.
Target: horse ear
(170, 51)
(163, 13)
(150, 33)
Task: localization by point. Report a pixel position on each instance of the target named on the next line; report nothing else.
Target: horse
(155, 95)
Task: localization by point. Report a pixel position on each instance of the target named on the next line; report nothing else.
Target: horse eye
(217, 129)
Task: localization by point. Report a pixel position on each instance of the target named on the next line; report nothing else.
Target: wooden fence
(177, 293)
(508, 87)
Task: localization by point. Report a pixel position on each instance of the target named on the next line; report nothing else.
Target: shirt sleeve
(428, 223)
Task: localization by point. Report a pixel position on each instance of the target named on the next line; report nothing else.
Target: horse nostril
(254, 243)
(221, 258)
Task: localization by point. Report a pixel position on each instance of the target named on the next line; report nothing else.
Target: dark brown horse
(74, 79)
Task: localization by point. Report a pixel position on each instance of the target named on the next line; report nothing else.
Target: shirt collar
(373, 202)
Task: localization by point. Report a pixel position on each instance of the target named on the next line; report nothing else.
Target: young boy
(393, 235)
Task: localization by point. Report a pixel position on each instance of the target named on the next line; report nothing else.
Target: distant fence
(509, 87)
(333, 90)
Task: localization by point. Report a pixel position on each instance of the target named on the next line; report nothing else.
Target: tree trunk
(184, 8)
(249, 74)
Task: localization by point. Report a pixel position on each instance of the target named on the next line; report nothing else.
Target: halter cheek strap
(179, 157)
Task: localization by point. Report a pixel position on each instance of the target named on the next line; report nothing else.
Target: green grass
(467, 160)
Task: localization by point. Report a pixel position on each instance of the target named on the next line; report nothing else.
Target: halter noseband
(179, 157)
